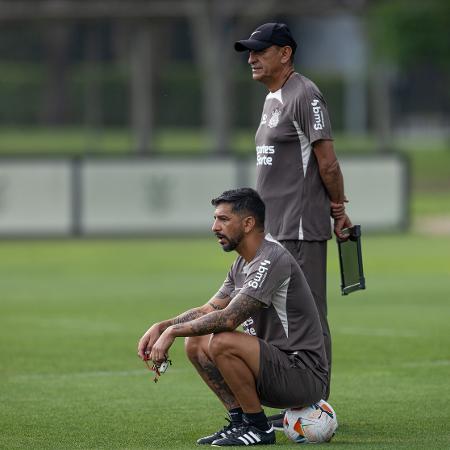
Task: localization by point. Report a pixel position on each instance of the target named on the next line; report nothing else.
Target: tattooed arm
(228, 319)
(218, 302)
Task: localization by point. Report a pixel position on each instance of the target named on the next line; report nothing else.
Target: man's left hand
(337, 210)
(159, 352)
(340, 224)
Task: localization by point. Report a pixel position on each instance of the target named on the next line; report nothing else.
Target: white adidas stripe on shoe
(247, 435)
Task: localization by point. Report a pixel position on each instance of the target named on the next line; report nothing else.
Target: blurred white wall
(152, 196)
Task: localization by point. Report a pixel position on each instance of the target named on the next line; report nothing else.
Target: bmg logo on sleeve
(260, 276)
(318, 115)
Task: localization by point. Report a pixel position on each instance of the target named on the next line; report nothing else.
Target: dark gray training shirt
(288, 179)
(289, 319)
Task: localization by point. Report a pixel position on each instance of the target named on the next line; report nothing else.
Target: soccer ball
(310, 425)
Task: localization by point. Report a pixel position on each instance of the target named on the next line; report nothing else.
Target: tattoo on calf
(215, 381)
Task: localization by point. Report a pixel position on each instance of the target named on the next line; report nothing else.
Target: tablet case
(350, 261)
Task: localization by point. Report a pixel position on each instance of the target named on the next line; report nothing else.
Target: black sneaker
(277, 421)
(247, 435)
(224, 432)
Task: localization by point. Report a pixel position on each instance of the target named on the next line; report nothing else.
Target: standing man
(266, 291)
(298, 175)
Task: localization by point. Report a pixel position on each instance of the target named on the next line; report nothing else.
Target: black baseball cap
(265, 36)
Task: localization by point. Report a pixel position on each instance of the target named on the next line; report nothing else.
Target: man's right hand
(147, 341)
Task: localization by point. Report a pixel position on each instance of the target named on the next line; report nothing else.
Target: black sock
(236, 415)
(258, 420)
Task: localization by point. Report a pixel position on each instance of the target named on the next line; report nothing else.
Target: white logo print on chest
(274, 119)
(262, 155)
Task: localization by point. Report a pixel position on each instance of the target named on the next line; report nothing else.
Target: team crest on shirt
(274, 119)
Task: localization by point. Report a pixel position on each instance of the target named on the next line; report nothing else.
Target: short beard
(232, 243)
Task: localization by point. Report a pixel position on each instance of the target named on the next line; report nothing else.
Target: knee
(220, 344)
(192, 348)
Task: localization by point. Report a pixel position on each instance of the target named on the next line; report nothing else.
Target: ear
(249, 224)
(286, 53)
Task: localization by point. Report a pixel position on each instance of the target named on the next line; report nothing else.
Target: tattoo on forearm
(216, 307)
(228, 319)
(187, 316)
(210, 373)
(221, 295)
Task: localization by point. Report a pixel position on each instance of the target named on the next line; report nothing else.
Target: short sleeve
(311, 113)
(228, 285)
(264, 278)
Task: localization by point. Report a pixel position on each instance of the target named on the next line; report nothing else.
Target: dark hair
(244, 200)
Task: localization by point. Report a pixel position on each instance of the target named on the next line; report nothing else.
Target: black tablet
(350, 261)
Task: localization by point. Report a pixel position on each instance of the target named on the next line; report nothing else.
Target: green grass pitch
(71, 313)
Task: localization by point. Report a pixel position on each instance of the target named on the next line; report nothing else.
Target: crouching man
(279, 360)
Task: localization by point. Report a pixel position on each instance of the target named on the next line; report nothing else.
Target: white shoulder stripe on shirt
(276, 95)
(270, 238)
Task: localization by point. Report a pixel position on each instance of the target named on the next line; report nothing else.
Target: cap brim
(251, 44)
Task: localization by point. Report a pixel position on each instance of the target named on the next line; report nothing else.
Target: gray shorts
(284, 381)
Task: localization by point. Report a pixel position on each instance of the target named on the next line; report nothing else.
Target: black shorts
(284, 381)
